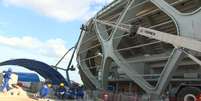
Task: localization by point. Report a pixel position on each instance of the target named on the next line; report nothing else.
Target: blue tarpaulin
(28, 77)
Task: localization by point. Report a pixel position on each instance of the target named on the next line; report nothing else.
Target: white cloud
(49, 48)
(63, 10)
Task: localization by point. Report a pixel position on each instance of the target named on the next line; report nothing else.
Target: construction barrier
(110, 96)
(119, 97)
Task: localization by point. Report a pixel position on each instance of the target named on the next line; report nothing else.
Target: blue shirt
(7, 75)
(44, 91)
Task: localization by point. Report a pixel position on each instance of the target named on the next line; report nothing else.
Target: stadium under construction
(147, 47)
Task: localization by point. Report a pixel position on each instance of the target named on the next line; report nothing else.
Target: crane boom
(175, 40)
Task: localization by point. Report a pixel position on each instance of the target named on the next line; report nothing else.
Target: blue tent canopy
(41, 68)
(28, 77)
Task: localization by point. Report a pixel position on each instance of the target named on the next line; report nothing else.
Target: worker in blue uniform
(80, 92)
(44, 91)
(6, 78)
(61, 91)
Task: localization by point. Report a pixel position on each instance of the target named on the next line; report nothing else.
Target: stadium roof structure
(41, 68)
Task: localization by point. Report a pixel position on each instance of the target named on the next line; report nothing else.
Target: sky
(43, 29)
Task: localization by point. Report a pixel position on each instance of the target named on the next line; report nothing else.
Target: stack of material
(15, 91)
(15, 94)
(13, 80)
(18, 94)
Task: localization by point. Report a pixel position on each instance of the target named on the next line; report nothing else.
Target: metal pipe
(83, 28)
(63, 57)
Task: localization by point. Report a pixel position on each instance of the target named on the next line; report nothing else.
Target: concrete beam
(168, 71)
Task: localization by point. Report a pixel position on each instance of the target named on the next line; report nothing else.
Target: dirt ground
(13, 98)
(7, 98)
(23, 98)
(18, 95)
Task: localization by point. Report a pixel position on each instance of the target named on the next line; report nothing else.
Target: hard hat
(49, 85)
(61, 84)
(9, 69)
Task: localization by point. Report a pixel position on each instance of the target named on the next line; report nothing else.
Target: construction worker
(80, 92)
(49, 85)
(6, 78)
(51, 91)
(44, 91)
(61, 91)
